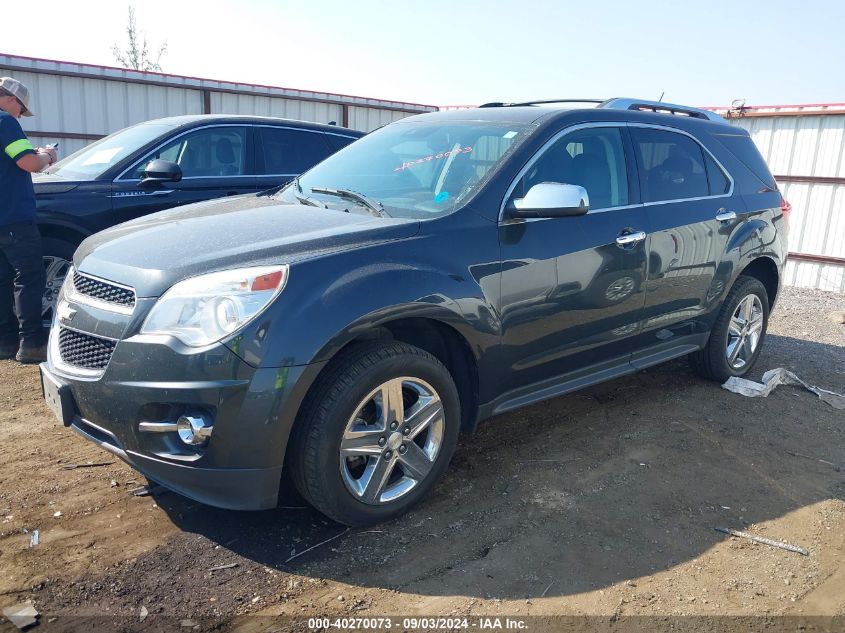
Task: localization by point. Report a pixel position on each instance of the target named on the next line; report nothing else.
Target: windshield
(413, 169)
(92, 160)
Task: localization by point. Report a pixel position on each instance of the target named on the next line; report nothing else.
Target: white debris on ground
(780, 376)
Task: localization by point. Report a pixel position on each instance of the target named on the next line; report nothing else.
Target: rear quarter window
(744, 149)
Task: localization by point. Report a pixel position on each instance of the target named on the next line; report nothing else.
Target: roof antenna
(661, 96)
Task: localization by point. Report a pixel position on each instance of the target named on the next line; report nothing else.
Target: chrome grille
(103, 291)
(85, 350)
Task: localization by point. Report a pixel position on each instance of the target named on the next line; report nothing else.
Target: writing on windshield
(425, 159)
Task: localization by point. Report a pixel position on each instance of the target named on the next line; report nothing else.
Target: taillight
(786, 209)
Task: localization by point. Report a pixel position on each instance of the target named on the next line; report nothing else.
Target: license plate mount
(58, 397)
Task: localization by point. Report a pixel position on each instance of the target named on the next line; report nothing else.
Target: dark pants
(22, 283)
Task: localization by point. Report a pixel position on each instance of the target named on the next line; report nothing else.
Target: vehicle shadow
(605, 485)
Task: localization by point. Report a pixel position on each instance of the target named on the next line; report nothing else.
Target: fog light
(194, 429)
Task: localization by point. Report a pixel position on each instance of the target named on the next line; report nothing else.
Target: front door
(214, 161)
(572, 289)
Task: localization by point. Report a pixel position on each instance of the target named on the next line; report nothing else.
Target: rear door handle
(725, 216)
(630, 238)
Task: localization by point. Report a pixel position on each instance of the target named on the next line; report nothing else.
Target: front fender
(334, 299)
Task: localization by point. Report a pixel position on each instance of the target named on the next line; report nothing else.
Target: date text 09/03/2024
(415, 623)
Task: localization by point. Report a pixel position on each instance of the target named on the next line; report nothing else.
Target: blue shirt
(17, 195)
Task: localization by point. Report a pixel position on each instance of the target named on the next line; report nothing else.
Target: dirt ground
(602, 502)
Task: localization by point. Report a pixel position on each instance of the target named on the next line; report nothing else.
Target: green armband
(15, 148)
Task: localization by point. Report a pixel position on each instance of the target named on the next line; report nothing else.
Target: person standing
(22, 278)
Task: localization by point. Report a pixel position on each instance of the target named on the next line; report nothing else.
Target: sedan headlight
(202, 310)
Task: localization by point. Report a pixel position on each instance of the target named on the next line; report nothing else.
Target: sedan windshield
(411, 169)
(93, 160)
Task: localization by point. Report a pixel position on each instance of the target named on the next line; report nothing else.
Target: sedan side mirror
(160, 171)
(552, 200)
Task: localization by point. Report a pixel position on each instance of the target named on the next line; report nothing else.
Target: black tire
(712, 362)
(314, 454)
(54, 251)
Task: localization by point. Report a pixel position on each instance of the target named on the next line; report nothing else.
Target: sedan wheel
(55, 269)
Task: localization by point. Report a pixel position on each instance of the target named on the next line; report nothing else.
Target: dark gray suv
(441, 270)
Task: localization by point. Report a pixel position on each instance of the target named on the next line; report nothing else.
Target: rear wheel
(737, 336)
(377, 433)
(58, 255)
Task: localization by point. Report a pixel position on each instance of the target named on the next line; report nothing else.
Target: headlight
(202, 310)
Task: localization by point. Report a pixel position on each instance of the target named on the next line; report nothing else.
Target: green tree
(137, 55)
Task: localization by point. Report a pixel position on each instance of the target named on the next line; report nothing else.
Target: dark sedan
(198, 157)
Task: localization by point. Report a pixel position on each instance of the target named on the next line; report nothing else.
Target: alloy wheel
(55, 269)
(392, 441)
(744, 332)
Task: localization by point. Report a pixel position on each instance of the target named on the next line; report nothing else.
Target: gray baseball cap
(16, 89)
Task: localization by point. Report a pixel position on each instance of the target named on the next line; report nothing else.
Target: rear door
(216, 162)
(691, 211)
(283, 153)
(572, 288)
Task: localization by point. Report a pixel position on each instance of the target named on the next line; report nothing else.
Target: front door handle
(725, 216)
(630, 238)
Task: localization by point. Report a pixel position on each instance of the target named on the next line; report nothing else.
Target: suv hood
(154, 252)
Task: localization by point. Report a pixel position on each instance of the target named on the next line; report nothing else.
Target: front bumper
(148, 380)
(229, 488)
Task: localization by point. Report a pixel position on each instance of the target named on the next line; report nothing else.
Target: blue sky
(452, 52)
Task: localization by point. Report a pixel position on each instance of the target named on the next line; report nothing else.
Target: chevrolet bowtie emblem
(66, 313)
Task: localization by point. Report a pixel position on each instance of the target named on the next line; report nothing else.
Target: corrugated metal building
(76, 104)
(804, 146)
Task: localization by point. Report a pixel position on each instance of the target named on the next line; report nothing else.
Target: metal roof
(94, 71)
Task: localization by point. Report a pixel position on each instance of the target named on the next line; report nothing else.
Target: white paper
(102, 157)
(780, 376)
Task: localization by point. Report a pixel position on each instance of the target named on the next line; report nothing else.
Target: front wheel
(58, 255)
(376, 434)
(737, 336)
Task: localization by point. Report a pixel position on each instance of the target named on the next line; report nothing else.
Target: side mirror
(159, 171)
(552, 200)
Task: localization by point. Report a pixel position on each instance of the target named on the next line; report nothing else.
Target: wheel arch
(67, 234)
(439, 339)
(765, 270)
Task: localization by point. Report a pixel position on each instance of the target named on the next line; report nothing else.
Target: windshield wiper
(375, 206)
(269, 193)
(301, 197)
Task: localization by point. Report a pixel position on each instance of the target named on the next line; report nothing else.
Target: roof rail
(660, 107)
(500, 104)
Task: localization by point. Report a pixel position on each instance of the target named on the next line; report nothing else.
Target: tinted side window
(671, 165)
(744, 149)
(339, 142)
(214, 151)
(291, 151)
(719, 183)
(592, 158)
